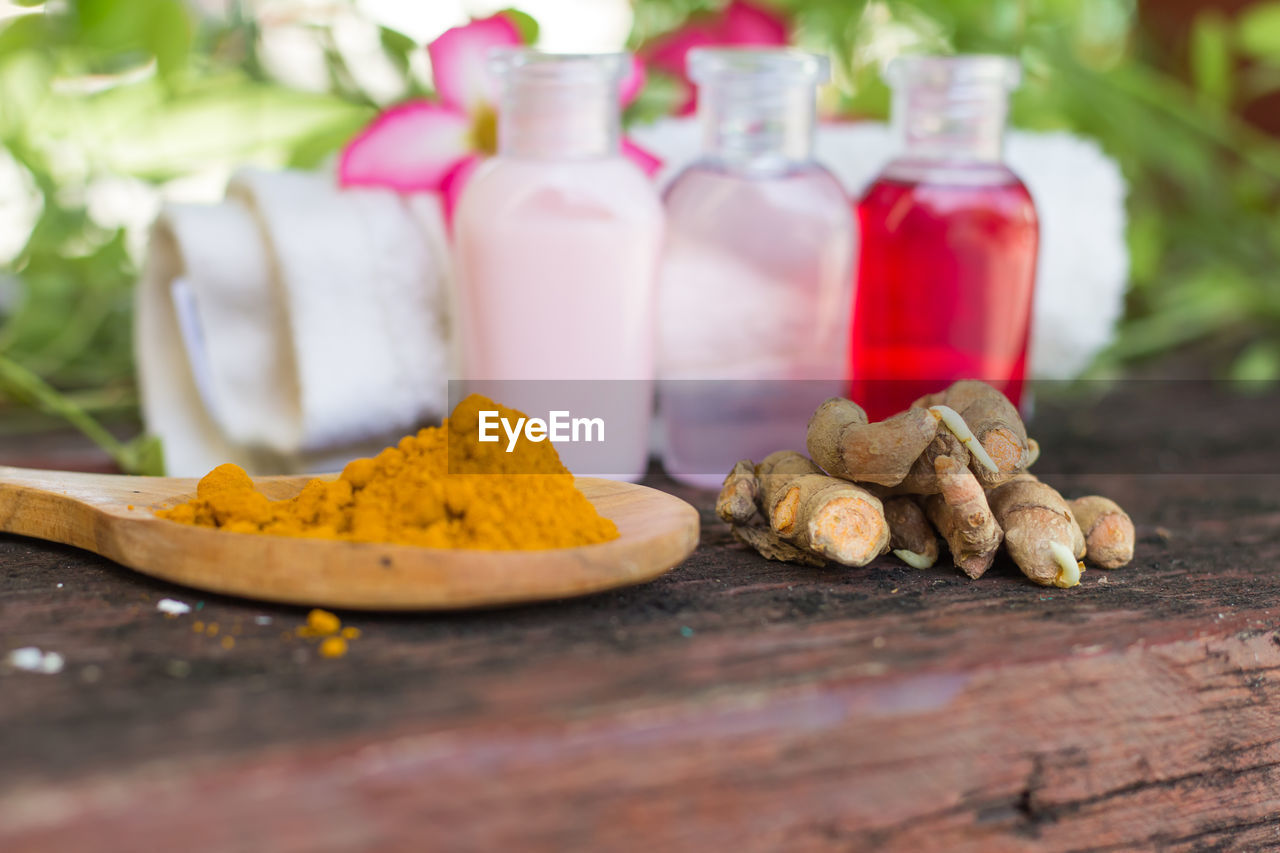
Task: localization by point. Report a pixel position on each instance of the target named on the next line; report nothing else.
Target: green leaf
(1257, 367)
(1146, 247)
(223, 121)
(1207, 301)
(398, 46)
(145, 456)
(111, 25)
(659, 97)
(312, 151)
(111, 35)
(1258, 30)
(1211, 62)
(524, 23)
(24, 32)
(396, 42)
(167, 36)
(24, 91)
(22, 385)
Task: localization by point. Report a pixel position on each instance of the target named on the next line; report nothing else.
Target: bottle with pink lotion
(557, 246)
(755, 282)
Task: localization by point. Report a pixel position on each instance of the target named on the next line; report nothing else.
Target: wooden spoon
(114, 516)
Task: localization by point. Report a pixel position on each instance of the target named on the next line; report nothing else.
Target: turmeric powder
(441, 488)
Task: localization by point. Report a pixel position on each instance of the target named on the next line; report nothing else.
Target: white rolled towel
(292, 326)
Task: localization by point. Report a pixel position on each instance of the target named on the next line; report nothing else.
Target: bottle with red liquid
(949, 238)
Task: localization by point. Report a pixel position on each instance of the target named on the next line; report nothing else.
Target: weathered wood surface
(733, 704)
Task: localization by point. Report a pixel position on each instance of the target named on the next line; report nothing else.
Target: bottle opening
(757, 105)
(976, 70)
(708, 66)
(558, 106)
(952, 108)
(514, 65)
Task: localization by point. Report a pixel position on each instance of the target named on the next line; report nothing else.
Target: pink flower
(423, 145)
(741, 24)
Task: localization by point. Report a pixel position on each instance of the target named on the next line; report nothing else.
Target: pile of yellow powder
(441, 488)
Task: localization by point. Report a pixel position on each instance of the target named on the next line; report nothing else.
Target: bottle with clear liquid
(755, 282)
(557, 242)
(950, 235)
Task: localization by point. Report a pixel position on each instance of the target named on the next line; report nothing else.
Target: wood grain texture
(114, 516)
(731, 704)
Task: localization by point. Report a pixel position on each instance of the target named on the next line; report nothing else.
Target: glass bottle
(755, 281)
(557, 243)
(947, 268)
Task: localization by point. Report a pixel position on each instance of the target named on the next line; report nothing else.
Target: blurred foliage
(145, 92)
(151, 92)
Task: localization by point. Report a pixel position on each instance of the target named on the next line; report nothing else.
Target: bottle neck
(559, 120)
(933, 125)
(745, 126)
(952, 108)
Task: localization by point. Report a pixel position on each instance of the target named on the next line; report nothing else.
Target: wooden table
(735, 704)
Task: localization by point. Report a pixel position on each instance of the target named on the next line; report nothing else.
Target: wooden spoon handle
(70, 507)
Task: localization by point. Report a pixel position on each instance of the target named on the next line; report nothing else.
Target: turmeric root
(1108, 531)
(961, 513)
(772, 547)
(811, 516)
(736, 503)
(1040, 531)
(956, 459)
(825, 515)
(922, 479)
(842, 441)
(911, 537)
(777, 469)
(994, 421)
(775, 475)
(1033, 452)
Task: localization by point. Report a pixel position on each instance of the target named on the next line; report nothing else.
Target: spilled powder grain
(333, 647)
